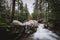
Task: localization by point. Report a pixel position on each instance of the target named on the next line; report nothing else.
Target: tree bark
(13, 10)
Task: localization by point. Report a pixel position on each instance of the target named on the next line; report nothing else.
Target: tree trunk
(13, 10)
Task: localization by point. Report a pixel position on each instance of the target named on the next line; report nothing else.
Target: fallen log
(29, 27)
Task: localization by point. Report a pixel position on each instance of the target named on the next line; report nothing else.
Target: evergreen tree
(23, 12)
(35, 13)
(38, 5)
(4, 15)
(55, 13)
(26, 12)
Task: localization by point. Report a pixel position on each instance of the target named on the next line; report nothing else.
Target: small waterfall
(44, 34)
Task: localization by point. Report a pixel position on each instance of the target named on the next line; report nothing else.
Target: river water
(43, 34)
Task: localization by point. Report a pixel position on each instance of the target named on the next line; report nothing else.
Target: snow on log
(16, 22)
(31, 22)
(28, 23)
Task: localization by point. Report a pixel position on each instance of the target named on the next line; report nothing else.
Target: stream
(43, 34)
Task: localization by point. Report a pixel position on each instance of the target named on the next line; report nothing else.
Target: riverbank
(53, 29)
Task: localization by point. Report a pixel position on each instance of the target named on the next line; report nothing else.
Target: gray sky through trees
(29, 4)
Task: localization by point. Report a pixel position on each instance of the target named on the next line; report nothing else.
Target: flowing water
(43, 34)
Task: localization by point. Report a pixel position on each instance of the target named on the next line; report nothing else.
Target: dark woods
(46, 11)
